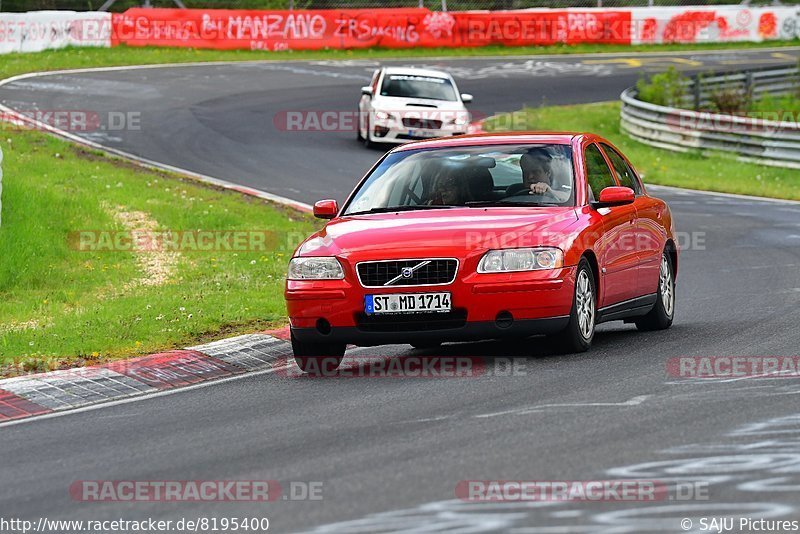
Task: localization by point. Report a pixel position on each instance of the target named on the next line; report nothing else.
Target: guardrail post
(748, 85)
(696, 90)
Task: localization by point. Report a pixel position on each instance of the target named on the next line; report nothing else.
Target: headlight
(382, 115)
(460, 120)
(521, 259)
(315, 268)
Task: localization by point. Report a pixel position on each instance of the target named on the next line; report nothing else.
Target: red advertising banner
(362, 28)
(518, 28)
(269, 30)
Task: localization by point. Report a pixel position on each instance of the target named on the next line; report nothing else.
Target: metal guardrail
(769, 138)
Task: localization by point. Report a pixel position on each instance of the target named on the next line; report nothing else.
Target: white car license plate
(423, 133)
(407, 303)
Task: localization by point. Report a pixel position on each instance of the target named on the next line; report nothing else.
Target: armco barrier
(769, 138)
(393, 28)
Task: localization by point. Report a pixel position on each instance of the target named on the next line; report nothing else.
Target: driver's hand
(539, 188)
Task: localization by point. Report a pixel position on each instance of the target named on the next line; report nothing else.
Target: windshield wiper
(390, 209)
(499, 203)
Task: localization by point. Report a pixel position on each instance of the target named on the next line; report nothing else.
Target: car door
(615, 249)
(650, 233)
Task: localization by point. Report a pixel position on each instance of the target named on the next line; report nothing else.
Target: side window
(597, 172)
(624, 172)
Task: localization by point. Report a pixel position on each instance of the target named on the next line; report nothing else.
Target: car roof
(506, 138)
(416, 72)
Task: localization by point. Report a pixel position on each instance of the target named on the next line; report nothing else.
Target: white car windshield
(413, 86)
(504, 175)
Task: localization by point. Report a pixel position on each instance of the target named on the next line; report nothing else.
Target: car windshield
(505, 175)
(413, 86)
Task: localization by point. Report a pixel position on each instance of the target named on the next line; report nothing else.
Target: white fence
(44, 30)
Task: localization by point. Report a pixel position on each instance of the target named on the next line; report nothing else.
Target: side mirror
(616, 196)
(366, 90)
(326, 209)
(466, 98)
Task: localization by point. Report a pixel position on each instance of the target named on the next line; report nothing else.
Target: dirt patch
(157, 266)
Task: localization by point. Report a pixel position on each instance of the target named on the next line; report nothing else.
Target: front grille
(415, 122)
(412, 322)
(424, 272)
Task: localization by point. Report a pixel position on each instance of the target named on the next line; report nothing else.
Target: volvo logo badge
(407, 272)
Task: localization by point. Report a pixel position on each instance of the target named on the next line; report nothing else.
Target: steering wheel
(546, 196)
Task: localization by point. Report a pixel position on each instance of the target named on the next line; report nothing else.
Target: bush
(730, 101)
(663, 89)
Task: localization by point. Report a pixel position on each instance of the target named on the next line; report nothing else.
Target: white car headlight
(521, 259)
(460, 120)
(382, 115)
(315, 268)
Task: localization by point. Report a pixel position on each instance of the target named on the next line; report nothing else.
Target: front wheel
(359, 137)
(660, 317)
(578, 335)
(368, 143)
(317, 358)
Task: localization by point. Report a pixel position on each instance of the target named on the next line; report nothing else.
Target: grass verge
(76, 58)
(60, 306)
(708, 172)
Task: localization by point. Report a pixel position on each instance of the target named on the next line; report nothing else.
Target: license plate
(422, 133)
(407, 303)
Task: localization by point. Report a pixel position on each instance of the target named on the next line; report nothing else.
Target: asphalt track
(389, 452)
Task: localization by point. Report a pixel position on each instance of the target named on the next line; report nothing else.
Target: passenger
(448, 190)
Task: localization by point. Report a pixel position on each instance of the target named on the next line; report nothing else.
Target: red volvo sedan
(483, 237)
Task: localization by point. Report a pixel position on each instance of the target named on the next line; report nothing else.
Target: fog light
(504, 319)
(323, 327)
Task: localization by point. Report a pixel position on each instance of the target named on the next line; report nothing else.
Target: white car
(405, 104)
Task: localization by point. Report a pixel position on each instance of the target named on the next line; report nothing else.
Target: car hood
(456, 232)
(401, 105)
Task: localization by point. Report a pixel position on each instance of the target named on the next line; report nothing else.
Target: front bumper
(394, 132)
(485, 306)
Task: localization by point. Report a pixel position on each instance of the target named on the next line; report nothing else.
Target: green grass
(709, 172)
(75, 58)
(77, 299)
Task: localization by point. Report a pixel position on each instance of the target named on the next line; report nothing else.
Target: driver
(537, 176)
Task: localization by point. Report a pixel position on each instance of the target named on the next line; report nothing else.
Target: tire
(426, 345)
(367, 142)
(359, 137)
(579, 333)
(317, 358)
(662, 314)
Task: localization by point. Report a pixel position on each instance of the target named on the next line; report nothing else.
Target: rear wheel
(579, 333)
(660, 317)
(317, 358)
